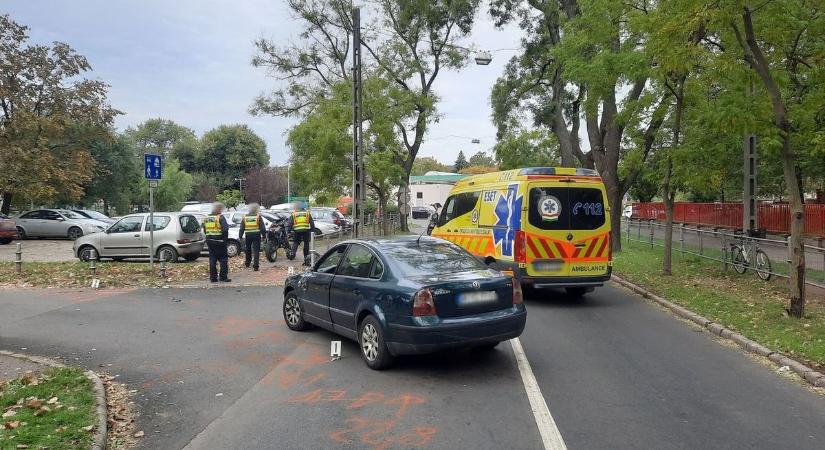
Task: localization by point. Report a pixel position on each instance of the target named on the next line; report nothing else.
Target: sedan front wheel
(75, 233)
(292, 313)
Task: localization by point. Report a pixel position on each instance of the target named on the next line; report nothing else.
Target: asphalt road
(217, 369)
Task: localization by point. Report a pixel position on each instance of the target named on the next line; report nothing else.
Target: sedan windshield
(95, 215)
(428, 258)
(71, 214)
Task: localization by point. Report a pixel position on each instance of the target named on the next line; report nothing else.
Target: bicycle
(748, 254)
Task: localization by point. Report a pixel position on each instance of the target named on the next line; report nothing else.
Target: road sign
(153, 183)
(152, 166)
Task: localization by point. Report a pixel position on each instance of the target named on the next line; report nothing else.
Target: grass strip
(54, 410)
(743, 303)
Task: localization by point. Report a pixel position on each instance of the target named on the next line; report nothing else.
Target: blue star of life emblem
(508, 219)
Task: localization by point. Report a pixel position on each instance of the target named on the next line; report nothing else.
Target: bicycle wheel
(763, 265)
(737, 258)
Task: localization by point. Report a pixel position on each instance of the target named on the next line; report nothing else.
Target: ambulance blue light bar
(534, 171)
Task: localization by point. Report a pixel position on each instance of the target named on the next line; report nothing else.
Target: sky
(189, 61)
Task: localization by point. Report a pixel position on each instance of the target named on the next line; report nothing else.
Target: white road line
(550, 435)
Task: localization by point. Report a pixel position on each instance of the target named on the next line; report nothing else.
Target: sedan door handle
(356, 291)
(135, 235)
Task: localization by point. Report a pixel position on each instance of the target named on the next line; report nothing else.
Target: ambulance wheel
(576, 292)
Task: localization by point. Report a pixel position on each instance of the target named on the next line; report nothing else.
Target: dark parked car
(405, 296)
(422, 212)
(8, 229)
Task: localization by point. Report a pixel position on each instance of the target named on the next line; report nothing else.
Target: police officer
(216, 229)
(301, 224)
(253, 227)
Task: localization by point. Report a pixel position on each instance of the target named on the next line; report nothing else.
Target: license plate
(548, 266)
(476, 298)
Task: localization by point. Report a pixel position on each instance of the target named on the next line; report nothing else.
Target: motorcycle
(277, 237)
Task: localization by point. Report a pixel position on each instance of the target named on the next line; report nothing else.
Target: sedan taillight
(184, 241)
(423, 304)
(518, 294)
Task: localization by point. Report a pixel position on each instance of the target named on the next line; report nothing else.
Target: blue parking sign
(152, 166)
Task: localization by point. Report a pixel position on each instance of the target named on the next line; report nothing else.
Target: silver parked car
(56, 223)
(96, 215)
(177, 234)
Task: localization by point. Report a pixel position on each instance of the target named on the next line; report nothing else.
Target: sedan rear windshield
(428, 258)
(566, 208)
(71, 214)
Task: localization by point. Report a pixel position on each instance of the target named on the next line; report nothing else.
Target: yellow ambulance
(547, 226)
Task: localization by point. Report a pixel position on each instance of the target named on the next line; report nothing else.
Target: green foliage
(173, 189)
(230, 197)
(530, 148)
(160, 136)
(424, 164)
(117, 173)
(460, 162)
(230, 151)
(481, 159)
(50, 116)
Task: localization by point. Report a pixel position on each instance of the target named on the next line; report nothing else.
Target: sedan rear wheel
(373, 348)
(21, 233)
(233, 248)
(292, 313)
(167, 253)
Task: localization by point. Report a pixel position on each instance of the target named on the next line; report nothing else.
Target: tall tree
(117, 173)
(410, 41)
(526, 148)
(460, 162)
(266, 185)
(424, 164)
(160, 136)
(481, 159)
(49, 115)
(230, 151)
(581, 60)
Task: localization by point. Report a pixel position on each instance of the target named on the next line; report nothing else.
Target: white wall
(430, 193)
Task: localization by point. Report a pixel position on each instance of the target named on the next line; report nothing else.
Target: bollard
(682, 238)
(651, 233)
(18, 258)
(163, 268)
(639, 231)
(724, 257)
(93, 262)
(701, 241)
(823, 254)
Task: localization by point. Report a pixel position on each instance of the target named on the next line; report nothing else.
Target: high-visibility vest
(300, 221)
(251, 224)
(212, 226)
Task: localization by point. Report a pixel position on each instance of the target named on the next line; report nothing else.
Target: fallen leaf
(89, 428)
(60, 429)
(9, 413)
(52, 401)
(34, 403)
(139, 434)
(12, 425)
(22, 446)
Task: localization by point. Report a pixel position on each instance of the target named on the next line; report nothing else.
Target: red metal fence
(774, 217)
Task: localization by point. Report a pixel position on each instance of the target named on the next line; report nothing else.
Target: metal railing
(716, 244)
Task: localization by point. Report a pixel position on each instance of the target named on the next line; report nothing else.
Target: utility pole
(240, 186)
(750, 213)
(358, 176)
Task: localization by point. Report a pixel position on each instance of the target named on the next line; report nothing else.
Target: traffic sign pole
(151, 225)
(153, 170)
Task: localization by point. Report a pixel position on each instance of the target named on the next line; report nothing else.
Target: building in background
(432, 187)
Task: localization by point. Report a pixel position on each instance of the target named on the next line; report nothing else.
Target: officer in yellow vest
(252, 226)
(301, 224)
(216, 229)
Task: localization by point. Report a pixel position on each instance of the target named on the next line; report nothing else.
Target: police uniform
(301, 224)
(216, 230)
(253, 228)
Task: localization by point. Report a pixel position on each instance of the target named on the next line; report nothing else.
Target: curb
(99, 442)
(814, 378)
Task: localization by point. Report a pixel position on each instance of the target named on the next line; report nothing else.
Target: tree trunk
(797, 269)
(6, 208)
(668, 197)
(614, 199)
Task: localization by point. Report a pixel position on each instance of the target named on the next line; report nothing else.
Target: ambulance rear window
(566, 208)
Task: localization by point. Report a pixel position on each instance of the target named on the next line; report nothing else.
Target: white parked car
(176, 234)
(56, 223)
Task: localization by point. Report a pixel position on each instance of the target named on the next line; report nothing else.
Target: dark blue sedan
(405, 296)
